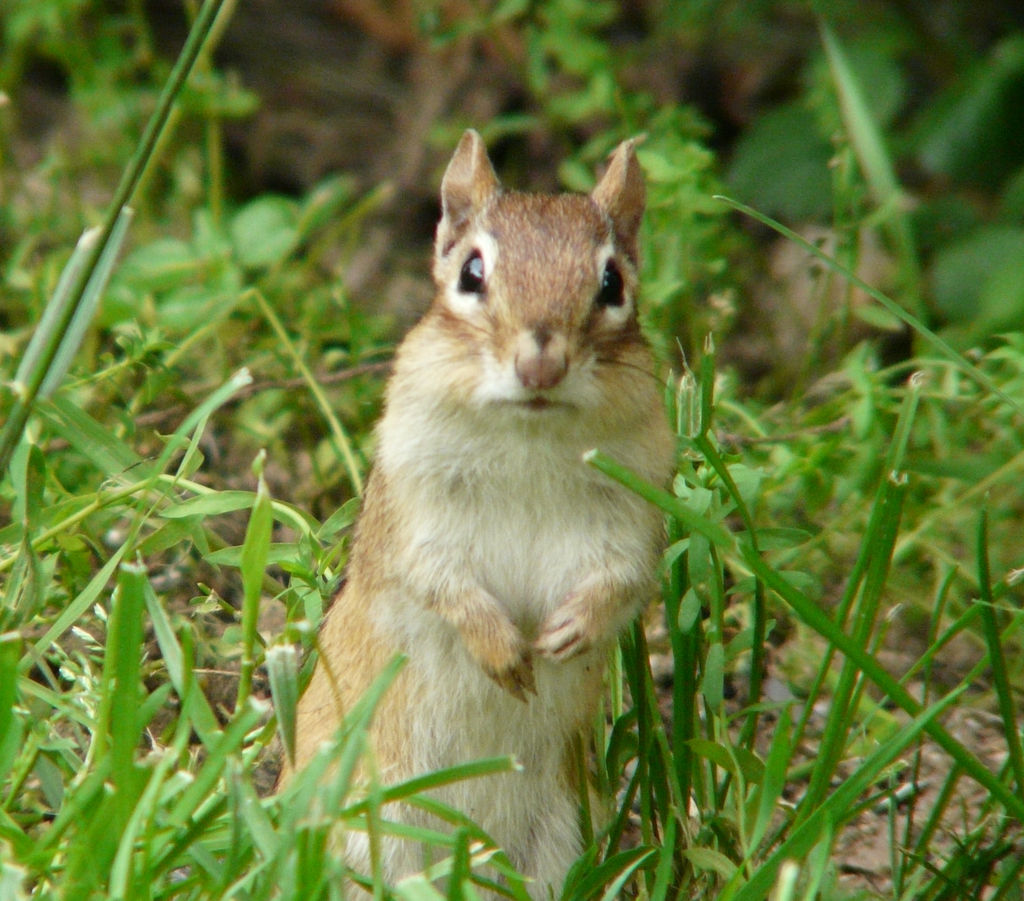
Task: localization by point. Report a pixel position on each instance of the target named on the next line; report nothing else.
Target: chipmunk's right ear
(469, 183)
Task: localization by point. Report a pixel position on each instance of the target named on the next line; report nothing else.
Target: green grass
(810, 536)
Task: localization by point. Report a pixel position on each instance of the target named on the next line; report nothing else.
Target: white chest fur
(506, 497)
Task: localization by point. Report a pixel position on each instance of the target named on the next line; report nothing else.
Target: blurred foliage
(946, 101)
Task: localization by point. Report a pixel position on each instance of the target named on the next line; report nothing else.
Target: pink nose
(541, 359)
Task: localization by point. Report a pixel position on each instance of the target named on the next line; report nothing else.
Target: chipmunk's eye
(611, 292)
(471, 278)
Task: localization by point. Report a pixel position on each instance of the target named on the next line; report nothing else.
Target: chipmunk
(488, 552)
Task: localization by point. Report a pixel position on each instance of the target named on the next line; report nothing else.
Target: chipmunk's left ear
(469, 183)
(621, 194)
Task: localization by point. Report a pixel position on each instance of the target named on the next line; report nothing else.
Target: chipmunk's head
(536, 292)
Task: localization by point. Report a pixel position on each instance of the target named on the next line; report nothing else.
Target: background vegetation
(826, 703)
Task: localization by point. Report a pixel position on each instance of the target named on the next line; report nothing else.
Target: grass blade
(815, 617)
(123, 657)
(10, 727)
(419, 784)
(779, 755)
(875, 161)
(690, 520)
(71, 340)
(82, 602)
(194, 703)
(879, 541)
(108, 453)
(30, 369)
(253, 565)
(283, 671)
(197, 418)
(997, 659)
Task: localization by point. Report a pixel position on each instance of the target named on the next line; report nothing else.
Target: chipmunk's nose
(541, 358)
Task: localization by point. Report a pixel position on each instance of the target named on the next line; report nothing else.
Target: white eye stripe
(488, 247)
(462, 302)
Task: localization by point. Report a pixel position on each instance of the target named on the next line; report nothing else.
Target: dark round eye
(471, 278)
(611, 291)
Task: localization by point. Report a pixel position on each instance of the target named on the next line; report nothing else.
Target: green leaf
(972, 133)
(962, 270)
(774, 782)
(417, 888)
(277, 554)
(265, 232)
(681, 510)
(342, 518)
(781, 165)
(713, 684)
(689, 611)
(942, 346)
(323, 203)
(878, 318)
(1001, 678)
(11, 729)
(622, 744)
(663, 874)
(253, 565)
(804, 582)
(859, 117)
(216, 503)
(283, 670)
(213, 504)
(781, 537)
(709, 860)
(699, 565)
(736, 760)
(158, 266)
(122, 689)
(191, 308)
(202, 717)
(96, 442)
(615, 870)
(748, 481)
(70, 614)
(222, 746)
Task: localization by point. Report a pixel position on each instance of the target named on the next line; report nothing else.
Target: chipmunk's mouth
(538, 403)
(544, 401)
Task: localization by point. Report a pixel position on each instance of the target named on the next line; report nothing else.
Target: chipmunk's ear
(468, 183)
(621, 194)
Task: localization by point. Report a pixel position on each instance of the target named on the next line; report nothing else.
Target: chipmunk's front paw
(518, 680)
(566, 633)
(503, 654)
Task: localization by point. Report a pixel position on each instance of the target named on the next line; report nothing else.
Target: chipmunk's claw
(518, 680)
